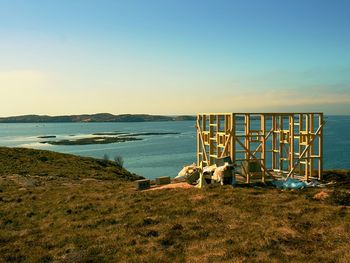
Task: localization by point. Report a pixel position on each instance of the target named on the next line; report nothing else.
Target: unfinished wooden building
(282, 144)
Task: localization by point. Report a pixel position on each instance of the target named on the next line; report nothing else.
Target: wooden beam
(226, 144)
(274, 154)
(253, 156)
(291, 142)
(202, 141)
(280, 163)
(265, 138)
(307, 153)
(311, 152)
(320, 149)
(301, 116)
(198, 141)
(232, 125)
(305, 150)
(263, 143)
(217, 134)
(211, 135)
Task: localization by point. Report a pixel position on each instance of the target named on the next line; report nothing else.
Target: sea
(155, 155)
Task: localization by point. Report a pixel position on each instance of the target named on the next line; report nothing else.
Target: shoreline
(103, 138)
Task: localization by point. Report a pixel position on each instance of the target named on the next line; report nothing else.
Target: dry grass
(101, 218)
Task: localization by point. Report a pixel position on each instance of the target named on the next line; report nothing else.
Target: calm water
(156, 155)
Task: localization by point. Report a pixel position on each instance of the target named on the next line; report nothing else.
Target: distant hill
(99, 117)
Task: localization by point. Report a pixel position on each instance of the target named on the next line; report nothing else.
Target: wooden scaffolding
(282, 144)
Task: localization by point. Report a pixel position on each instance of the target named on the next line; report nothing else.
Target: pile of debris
(222, 172)
(225, 172)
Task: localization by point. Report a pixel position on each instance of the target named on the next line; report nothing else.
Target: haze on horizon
(174, 57)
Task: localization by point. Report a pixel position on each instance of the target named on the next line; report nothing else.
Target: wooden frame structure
(283, 144)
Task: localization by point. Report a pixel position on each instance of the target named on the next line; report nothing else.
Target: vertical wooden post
(246, 142)
(301, 128)
(226, 125)
(274, 155)
(246, 134)
(204, 129)
(232, 126)
(307, 155)
(312, 134)
(280, 166)
(320, 148)
(218, 152)
(263, 145)
(211, 136)
(198, 140)
(291, 141)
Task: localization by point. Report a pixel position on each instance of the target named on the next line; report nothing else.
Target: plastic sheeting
(290, 183)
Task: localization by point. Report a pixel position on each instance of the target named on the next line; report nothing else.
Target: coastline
(98, 117)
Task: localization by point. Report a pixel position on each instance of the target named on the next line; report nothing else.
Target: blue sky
(174, 57)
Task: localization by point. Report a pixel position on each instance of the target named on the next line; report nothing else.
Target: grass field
(62, 208)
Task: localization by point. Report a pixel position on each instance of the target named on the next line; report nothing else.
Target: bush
(340, 198)
(119, 160)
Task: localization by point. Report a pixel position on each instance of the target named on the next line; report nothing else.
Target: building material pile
(222, 172)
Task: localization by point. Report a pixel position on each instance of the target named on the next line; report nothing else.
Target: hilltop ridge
(98, 117)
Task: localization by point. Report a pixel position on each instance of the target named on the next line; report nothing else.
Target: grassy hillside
(99, 117)
(62, 208)
(30, 163)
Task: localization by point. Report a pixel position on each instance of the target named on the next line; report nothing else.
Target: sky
(174, 57)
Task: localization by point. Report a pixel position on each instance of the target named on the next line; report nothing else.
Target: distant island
(99, 117)
(105, 138)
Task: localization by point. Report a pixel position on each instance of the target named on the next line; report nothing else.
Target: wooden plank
(232, 125)
(263, 154)
(211, 135)
(280, 163)
(274, 154)
(291, 142)
(198, 141)
(311, 152)
(307, 128)
(246, 174)
(305, 150)
(301, 116)
(202, 141)
(201, 135)
(263, 166)
(265, 138)
(320, 149)
(218, 127)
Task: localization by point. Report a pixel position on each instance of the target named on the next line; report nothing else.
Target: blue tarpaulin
(290, 183)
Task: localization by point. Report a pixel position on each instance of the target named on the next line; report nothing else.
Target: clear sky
(174, 56)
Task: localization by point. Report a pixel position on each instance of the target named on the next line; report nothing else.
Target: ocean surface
(156, 155)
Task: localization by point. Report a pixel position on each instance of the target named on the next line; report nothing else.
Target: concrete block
(163, 180)
(142, 184)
